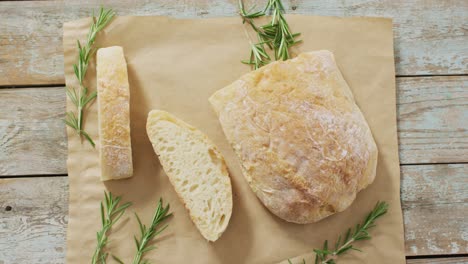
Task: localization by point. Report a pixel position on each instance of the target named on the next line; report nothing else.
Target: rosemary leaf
(148, 233)
(111, 212)
(117, 259)
(79, 95)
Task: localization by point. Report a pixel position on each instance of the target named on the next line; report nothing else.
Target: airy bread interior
(196, 170)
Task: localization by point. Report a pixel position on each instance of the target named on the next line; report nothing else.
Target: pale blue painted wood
(430, 36)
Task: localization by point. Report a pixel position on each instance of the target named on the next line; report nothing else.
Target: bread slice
(115, 150)
(196, 169)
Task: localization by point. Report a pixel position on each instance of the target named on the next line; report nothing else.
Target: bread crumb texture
(196, 169)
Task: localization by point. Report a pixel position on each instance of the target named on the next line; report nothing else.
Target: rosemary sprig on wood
(276, 34)
(148, 233)
(80, 96)
(111, 212)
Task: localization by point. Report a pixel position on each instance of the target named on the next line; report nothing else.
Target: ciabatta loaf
(115, 150)
(303, 143)
(196, 169)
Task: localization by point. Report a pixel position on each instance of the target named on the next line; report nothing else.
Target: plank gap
(432, 163)
(430, 75)
(451, 256)
(32, 86)
(32, 176)
(66, 175)
(63, 84)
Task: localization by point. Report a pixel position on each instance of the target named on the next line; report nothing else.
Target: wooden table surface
(431, 48)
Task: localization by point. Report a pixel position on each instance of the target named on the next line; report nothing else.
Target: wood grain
(433, 123)
(33, 220)
(32, 133)
(434, 198)
(435, 208)
(433, 119)
(430, 35)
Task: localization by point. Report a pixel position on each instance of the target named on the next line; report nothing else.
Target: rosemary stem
(247, 35)
(334, 254)
(139, 253)
(101, 240)
(80, 111)
(137, 258)
(97, 252)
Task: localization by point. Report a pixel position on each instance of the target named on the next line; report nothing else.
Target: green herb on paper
(80, 96)
(111, 212)
(148, 233)
(279, 31)
(328, 255)
(276, 34)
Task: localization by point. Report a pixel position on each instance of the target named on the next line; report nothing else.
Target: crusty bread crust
(196, 169)
(303, 143)
(115, 150)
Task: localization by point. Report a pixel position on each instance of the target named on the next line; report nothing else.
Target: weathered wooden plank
(435, 208)
(33, 215)
(32, 133)
(433, 119)
(454, 260)
(433, 123)
(33, 220)
(430, 35)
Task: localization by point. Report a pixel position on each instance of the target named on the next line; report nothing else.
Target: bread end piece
(196, 169)
(115, 151)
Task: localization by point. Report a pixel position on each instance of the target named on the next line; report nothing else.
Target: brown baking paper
(175, 65)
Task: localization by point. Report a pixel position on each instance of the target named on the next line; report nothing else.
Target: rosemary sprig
(276, 34)
(111, 212)
(361, 232)
(80, 96)
(279, 32)
(148, 233)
